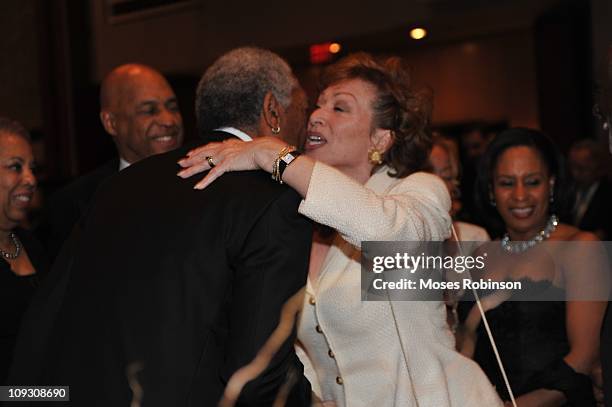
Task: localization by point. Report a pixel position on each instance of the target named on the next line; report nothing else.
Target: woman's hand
(230, 155)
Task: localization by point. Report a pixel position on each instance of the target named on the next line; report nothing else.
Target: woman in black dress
(21, 258)
(549, 348)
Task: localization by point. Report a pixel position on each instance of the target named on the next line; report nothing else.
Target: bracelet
(282, 161)
(276, 163)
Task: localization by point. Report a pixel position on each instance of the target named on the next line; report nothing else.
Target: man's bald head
(122, 80)
(139, 110)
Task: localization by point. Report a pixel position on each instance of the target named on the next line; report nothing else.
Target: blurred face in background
(17, 180)
(584, 167)
(441, 163)
(474, 143)
(341, 131)
(521, 189)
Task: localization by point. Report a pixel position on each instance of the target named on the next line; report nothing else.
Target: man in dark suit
(139, 110)
(591, 210)
(170, 290)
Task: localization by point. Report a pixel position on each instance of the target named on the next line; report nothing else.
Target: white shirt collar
(123, 164)
(234, 131)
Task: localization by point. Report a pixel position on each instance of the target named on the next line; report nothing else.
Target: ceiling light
(418, 33)
(334, 47)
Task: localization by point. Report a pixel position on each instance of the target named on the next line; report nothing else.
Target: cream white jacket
(380, 353)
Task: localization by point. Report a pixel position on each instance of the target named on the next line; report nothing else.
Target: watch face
(287, 158)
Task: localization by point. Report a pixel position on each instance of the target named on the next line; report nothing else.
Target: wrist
(284, 158)
(264, 157)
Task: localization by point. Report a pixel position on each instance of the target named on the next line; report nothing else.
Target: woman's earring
(375, 157)
(551, 194)
(492, 200)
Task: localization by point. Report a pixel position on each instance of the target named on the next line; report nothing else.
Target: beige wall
(166, 42)
(492, 79)
(187, 40)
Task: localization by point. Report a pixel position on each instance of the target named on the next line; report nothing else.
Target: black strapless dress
(532, 340)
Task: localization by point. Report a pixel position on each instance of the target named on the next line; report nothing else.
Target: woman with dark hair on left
(21, 258)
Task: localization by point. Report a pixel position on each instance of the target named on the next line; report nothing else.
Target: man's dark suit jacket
(180, 286)
(598, 213)
(68, 205)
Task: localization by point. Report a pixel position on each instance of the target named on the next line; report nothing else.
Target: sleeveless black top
(531, 338)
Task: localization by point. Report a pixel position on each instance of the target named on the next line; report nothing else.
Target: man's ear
(381, 140)
(108, 121)
(271, 113)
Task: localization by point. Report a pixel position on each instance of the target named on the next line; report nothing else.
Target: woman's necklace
(520, 247)
(17, 243)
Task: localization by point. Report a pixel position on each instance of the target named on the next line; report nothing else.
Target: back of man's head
(232, 90)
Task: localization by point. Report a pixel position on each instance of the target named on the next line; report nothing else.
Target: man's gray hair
(232, 90)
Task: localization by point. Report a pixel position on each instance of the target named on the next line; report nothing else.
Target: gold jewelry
(210, 161)
(276, 130)
(374, 156)
(284, 158)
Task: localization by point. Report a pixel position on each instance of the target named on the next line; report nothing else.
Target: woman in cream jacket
(366, 142)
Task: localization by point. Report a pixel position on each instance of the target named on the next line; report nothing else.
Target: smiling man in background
(139, 110)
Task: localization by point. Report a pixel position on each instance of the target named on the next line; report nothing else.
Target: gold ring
(210, 161)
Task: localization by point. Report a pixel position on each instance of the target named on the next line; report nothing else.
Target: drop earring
(375, 156)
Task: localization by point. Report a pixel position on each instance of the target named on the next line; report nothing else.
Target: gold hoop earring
(375, 157)
(277, 129)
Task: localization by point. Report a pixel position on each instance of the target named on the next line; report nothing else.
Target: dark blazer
(174, 288)
(597, 216)
(66, 206)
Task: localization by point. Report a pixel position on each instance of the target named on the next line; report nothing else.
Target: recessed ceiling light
(418, 33)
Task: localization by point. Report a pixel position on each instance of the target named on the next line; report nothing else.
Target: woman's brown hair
(397, 107)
